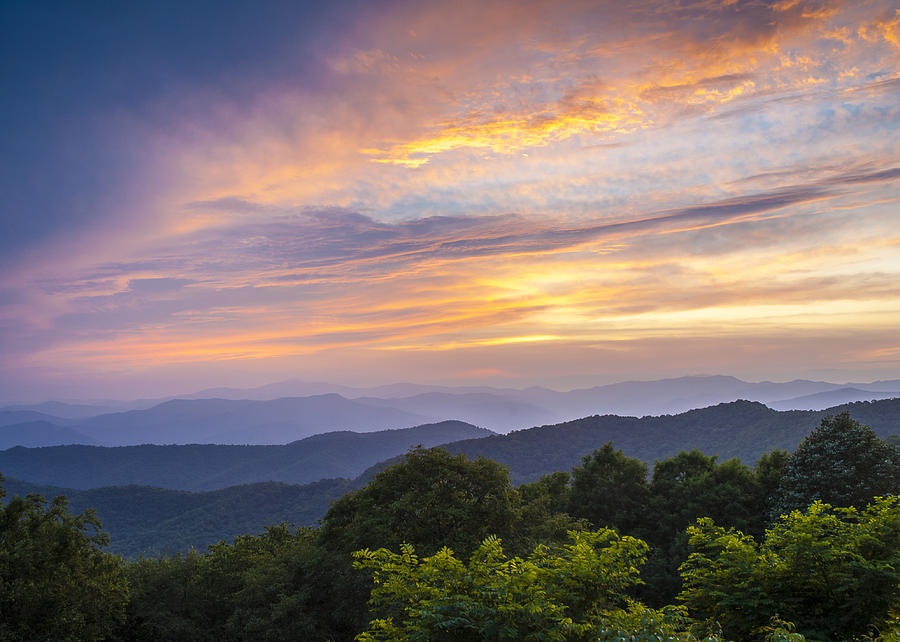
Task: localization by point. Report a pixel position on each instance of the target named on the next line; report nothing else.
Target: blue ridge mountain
(492, 411)
(226, 421)
(261, 419)
(832, 398)
(209, 467)
(743, 429)
(13, 417)
(35, 434)
(148, 520)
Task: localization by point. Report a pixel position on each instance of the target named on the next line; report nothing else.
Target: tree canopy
(842, 463)
(577, 591)
(832, 571)
(431, 499)
(610, 489)
(56, 582)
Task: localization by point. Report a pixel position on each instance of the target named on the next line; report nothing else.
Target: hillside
(224, 421)
(830, 399)
(142, 520)
(210, 467)
(34, 434)
(12, 417)
(493, 411)
(741, 429)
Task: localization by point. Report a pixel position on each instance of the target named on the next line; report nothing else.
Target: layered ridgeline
(211, 467)
(144, 520)
(171, 520)
(277, 421)
(742, 429)
(739, 429)
(285, 412)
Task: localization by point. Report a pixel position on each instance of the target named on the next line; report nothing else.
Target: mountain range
(211, 467)
(254, 416)
(147, 519)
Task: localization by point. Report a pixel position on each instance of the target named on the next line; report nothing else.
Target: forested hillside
(210, 467)
(800, 546)
(143, 520)
(742, 429)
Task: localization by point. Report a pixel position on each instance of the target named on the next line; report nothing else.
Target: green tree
(541, 517)
(610, 489)
(56, 582)
(429, 499)
(834, 572)
(842, 463)
(578, 591)
(767, 473)
(683, 488)
(247, 590)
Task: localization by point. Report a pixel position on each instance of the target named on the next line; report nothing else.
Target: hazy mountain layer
(831, 398)
(277, 421)
(224, 421)
(208, 467)
(34, 434)
(13, 417)
(141, 519)
(741, 429)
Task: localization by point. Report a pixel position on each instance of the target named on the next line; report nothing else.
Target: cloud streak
(484, 188)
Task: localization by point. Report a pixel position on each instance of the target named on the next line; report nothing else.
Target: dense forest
(442, 547)
(234, 491)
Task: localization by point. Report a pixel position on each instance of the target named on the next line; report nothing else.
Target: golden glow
(542, 181)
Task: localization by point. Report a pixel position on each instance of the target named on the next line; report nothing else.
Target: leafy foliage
(432, 499)
(56, 582)
(834, 572)
(248, 590)
(842, 463)
(610, 489)
(557, 594)
(683, 488)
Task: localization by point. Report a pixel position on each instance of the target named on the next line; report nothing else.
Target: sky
(507, 193)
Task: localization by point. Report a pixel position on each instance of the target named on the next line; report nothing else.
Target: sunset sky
(469, 192)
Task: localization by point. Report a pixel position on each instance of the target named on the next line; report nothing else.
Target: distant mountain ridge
(831, 398)
(197, 419)
(147, 520)
(35, 434)
(211, 467)
(744, 429)
(226, 421)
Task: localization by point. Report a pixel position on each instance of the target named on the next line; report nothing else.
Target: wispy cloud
(503, 183)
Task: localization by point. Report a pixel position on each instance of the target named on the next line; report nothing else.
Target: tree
(578, 591)
(842, 463)
(767, 473)
(430, 499)
(834, 572)
(610, 489)
(244, 590)
(683, 488)
(542, 516)
(56, 582)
